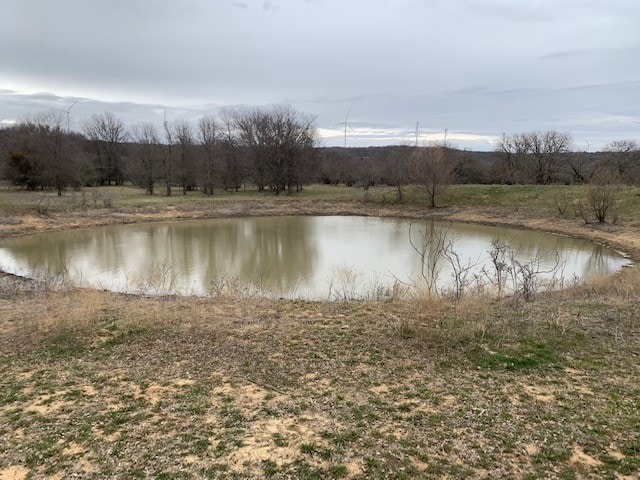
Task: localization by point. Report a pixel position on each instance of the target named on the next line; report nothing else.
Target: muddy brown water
(299, 257)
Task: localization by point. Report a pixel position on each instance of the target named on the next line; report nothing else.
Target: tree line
(276, 149)
(271, 148)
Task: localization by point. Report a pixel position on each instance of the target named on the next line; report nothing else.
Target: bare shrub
(462, 273)
(500, 265)
(522, 279)
(160, 279)
(390, 293)
(504, 273)
(232, 287)
(344, 284)
(432, 168)
(53, 275)
(559, 320)
(431, 245)
(561, 201)
(527, 275)
(43, 204)
(95, 194)
(601, 199)
(347, 284)
(602, 195)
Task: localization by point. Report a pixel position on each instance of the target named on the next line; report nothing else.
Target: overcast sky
(477, 68)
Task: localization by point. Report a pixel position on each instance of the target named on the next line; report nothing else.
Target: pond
(329, 257)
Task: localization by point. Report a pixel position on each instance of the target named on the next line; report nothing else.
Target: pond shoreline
(298, 257)
(622, 239)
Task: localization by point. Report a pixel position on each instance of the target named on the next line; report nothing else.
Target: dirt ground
(95, 384)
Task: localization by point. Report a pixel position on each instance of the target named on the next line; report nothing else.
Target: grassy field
(532, 199)
(99, 385)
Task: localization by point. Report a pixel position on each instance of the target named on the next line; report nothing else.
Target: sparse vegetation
(602, 195)
(102, 385)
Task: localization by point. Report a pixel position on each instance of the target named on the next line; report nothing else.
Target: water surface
(307, 257)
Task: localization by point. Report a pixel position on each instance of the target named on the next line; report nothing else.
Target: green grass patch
(344, 438)
(43, 452)
(526, 355)
(66, 344)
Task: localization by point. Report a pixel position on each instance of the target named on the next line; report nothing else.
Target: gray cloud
(471, 66)
(271, 7)
(562, 55)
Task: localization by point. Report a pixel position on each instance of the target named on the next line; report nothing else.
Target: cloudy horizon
(474, 69)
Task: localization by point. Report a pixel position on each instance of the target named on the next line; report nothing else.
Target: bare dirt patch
(73, 449)
(277, 440)
(578, 456)
(14, 473)
(540, 394)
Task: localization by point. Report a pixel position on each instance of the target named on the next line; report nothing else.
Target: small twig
(266, 386)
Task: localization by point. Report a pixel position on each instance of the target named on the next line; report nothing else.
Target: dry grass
(100, 385)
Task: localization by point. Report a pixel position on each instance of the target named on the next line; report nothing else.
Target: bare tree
(166, 148)
(397, 169)
(56, 153)
(623, 157)
(366, 171)
(432, 168)
(251, 127)
(208, 136)
(42, 153)
(579, 166)
(108, 133)
(512, 151)
(532, 157)
(337, 165)
(232, 171)
(547, 149)
(148, 153)
(280, 140)
(183, 134)
(468, 169)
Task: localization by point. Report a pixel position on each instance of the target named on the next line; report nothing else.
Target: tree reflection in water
(289, 256)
